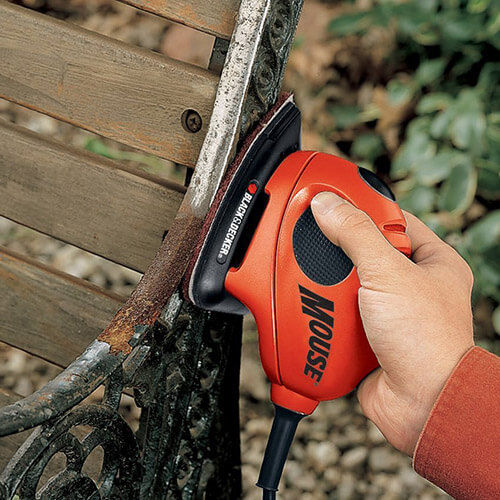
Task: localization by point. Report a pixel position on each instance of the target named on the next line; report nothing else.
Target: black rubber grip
(318, 258)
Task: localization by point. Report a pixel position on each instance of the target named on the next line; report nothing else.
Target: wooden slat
(129, 94)
(48, 313)
(84, 199)
(215, 17)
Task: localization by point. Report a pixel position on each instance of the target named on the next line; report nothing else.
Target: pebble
(352, 436)
(334, 408)
(374, 435)
(73, 261)
(258, 427)
(255, 451)
(252, 379)
(383, 459)
(23, 387)
(354, 458)
(323, 454)
(347, 488)
(332, 476)
(306, 481)
(411, 480)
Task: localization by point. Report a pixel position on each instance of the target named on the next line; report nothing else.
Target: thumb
(353, 230)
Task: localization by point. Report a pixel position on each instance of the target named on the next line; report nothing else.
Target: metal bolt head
(191, 121)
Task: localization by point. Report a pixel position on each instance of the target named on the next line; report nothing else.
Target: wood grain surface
(48, 313)
(84, 199)
(217, 17)
(132, 95)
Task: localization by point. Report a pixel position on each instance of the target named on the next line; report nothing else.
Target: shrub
(444, 72)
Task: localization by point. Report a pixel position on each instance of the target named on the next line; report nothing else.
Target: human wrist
(430, 399)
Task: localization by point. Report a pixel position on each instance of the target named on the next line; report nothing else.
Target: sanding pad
(237, 206)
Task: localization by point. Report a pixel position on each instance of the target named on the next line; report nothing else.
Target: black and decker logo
(321, 332)
(236, 222)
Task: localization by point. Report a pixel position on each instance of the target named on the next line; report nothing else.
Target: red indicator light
(252, 188)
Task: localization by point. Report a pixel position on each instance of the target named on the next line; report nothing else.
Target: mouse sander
(262, 252)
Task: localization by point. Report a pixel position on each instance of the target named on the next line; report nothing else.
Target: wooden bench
(181, 364)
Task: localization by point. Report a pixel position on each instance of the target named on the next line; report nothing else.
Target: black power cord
(281, 437)
(268, 495)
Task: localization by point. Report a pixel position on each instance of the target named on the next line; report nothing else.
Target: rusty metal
(220, 142)
(121, 471)
(182, 363)
(219, 53)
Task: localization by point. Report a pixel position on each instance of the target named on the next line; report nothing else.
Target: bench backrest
(129, 94)
(132, 95)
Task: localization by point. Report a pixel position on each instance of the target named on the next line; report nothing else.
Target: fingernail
(325, 202)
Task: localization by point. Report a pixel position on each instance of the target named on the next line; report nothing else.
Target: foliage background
(410, 89)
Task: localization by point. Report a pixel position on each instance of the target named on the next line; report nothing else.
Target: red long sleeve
(459, 448)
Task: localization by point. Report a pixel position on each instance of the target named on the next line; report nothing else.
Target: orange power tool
(263, 252)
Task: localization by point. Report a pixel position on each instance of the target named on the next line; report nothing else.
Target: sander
(261, 251)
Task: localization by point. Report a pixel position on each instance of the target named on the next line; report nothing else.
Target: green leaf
(493, 135)
(489, 76)
(399, 92)
(493, 25)
(487, 273)
(493, 119)
(433, 221)
(495, 318)
(416, 150)
(350, 24)
(368, 146)
(477, 6)
(457, 192)
(419, 200)
(428, 6)
(419, 125)
(437, 168)
(467, 130)
(96, 146)
(430, 71)
(485, 233)
(469, 100)
(488, 181)
(441, 123)
(345, 116)
(460, 28)
(433, 102)
(427, 35)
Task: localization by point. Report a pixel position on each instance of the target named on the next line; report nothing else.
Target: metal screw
(191, 121)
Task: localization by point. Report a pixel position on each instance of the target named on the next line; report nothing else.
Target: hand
(416, 314)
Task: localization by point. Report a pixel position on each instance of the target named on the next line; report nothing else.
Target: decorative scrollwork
(120, 473)
(272, 56)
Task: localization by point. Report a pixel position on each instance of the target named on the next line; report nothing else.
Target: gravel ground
(337, 453)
